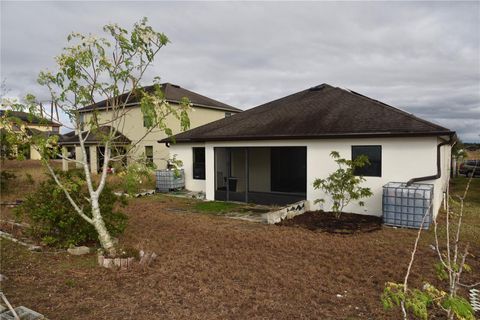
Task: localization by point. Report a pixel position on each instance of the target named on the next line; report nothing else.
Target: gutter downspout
(439, 169)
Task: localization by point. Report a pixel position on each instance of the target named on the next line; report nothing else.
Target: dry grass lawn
(212, 267)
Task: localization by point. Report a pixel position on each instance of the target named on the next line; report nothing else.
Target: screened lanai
(262, 175)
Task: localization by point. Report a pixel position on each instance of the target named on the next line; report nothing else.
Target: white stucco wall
(184, 153)
(402, 159)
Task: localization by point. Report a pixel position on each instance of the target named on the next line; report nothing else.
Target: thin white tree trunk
(103, 234)
(98, 222)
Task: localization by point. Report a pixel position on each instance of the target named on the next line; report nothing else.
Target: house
(24, 122)
(271, 154)
(132, 132)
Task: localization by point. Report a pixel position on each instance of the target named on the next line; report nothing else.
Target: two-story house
(132, 131)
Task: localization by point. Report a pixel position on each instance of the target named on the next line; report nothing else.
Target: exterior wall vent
(406, 206)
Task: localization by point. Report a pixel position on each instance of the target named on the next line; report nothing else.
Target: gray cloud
(423, 57)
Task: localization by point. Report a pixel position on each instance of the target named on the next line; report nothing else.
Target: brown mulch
(217, 268)
(347, 223)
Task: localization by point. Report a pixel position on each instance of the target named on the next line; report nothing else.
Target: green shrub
(342, 185)
(54, 220)
(5, 178)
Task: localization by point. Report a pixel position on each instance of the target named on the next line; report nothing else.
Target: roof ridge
(34, 117)
(171, 89)
(398, 110)
(314, 88)
(201, 95)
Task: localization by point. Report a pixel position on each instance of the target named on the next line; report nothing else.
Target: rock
(34, 248)
(101, 258)
(117, 262)
(108, 263)
(3, 277)
(23, 313)
(78, 251)
(339, 296)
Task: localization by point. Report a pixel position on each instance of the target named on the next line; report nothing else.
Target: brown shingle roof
(174, 94)
(319, 112)
(28, 118)
(94, 137)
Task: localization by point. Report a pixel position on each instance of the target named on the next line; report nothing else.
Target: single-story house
(271, 154)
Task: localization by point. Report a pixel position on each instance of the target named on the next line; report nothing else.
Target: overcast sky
(423, 57)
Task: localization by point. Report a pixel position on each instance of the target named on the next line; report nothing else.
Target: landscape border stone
(287, 212)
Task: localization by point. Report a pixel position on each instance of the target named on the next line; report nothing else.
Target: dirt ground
(212, 267)
(346, 223)
(30, 173)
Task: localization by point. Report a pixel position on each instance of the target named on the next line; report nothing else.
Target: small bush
(342, 185)
(135, 177)
(55, 221)
(6, 177)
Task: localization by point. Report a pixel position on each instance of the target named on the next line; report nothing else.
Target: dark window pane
(149, 153)
(289, 169)
(374, 154)
(199, 163)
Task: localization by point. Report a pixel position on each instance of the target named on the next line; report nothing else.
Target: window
(288, 169)
(228, 114)
(374, 154)
(199, 163)
(55, 129)
(81, 120)
(149, 154)
(87, 152)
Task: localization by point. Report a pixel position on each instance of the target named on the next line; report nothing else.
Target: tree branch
(67, 194)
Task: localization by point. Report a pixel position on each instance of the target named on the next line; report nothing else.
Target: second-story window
(81, 120)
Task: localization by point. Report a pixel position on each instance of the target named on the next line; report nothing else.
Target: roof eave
(229, 108)
(311, 137)
(72, 143)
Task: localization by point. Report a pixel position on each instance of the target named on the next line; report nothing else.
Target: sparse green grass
(471, 217)
(216, 207)
(470, 230)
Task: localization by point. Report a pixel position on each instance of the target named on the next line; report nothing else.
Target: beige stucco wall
(402, 159)
(34, 154)
(131, 125)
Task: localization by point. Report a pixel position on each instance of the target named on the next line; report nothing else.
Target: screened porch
(262, 175)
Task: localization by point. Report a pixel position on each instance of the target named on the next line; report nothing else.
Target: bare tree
(452, 263)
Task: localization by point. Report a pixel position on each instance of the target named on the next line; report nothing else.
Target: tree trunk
(103, 234)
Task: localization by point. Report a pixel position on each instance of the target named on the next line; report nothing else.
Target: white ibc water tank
(407, 206)
(167, 180)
